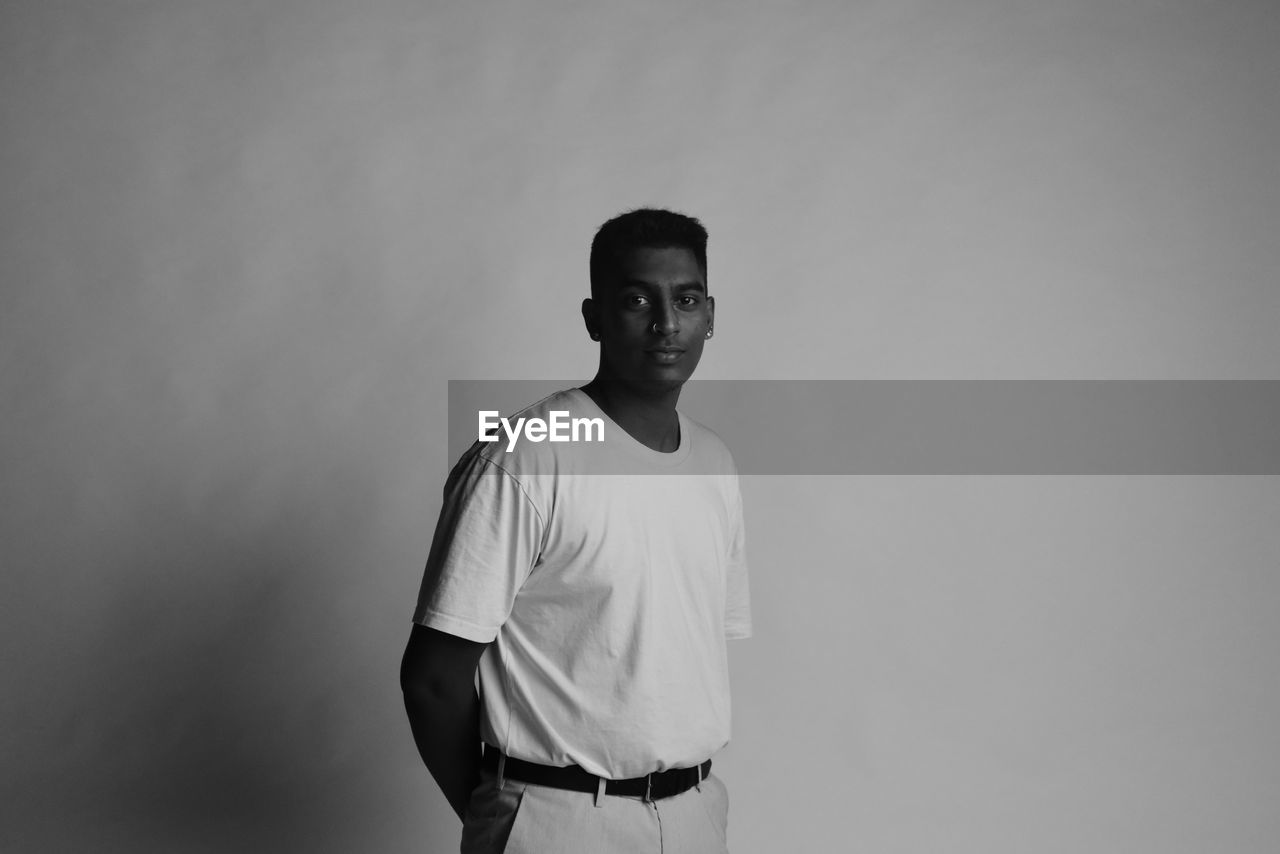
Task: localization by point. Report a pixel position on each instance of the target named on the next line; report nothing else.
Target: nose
(666, 321)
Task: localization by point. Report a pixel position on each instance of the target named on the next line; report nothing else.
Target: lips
(665, 355)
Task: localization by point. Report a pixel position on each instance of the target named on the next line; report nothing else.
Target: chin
(657, 385)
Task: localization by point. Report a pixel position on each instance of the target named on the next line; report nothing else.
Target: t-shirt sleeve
(737, 615)
(486, 542)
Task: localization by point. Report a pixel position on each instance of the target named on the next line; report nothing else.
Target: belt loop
(648, 788)
(502, 769)
(600, 784)
(698, 785)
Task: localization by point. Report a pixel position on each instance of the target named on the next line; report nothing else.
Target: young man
(592, 586)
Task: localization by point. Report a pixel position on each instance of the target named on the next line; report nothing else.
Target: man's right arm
(437, 676)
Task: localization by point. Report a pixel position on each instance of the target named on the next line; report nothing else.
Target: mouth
(665, 355)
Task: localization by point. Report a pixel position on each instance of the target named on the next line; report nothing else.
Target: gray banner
(974, 427)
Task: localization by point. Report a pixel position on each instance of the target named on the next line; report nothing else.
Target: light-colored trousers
(523, 818)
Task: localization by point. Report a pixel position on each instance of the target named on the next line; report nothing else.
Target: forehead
(664, 266)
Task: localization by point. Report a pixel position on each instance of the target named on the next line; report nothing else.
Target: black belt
(651, 787)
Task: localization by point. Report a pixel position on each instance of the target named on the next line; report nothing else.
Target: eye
(689, 301)
(635, 301)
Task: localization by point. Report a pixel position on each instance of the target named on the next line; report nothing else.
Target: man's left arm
(737, 606)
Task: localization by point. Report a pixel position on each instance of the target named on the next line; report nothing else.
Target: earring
(710, 332)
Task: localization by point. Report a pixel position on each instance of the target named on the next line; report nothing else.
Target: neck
(647, 414)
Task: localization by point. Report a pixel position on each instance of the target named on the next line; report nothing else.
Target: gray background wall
(245, 245)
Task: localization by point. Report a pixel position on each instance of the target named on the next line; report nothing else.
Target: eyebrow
(679, 286)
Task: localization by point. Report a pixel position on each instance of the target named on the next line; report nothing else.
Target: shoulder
(565, 402)
(516, 445)
(713, 455)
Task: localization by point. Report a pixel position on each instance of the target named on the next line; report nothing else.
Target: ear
(590, 320)
(711, 312)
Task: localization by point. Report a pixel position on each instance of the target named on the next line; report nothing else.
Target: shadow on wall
(211, 691)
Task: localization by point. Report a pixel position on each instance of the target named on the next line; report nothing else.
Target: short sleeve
(737, 616)
(486, 542)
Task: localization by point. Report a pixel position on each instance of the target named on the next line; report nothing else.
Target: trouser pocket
(490, 815)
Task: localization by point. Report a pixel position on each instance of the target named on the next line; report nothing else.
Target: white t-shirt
(609, 576)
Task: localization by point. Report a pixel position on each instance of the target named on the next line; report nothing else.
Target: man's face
(652, 318)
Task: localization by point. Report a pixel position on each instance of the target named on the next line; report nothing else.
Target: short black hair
(644, 228)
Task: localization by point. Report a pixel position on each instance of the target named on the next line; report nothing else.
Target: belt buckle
(648, 788)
